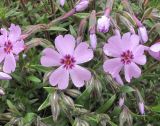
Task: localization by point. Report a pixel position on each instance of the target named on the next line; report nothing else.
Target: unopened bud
(2, 92)
(82, 5)
(141, 107)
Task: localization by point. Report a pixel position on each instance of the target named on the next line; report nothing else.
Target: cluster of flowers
(125, 53)
(11, 44)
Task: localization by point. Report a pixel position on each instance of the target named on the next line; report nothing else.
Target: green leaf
(83, 98)
(72, 31)
(112, 123)
(13, 108)
(107, 104)
(45, 104)
(155, 108)
(34, 79)
(29, 117)
(126, 89)
(49, 89)
(81, 15)
(57, 29)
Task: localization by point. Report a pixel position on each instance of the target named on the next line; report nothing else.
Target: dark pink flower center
(8, 47)
(68, 62)
(127, 57)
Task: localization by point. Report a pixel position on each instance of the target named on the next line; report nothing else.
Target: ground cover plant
(79, 62)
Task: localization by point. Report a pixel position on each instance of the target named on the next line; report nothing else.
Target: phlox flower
(126, 53)
(11, 44)
(67, 57)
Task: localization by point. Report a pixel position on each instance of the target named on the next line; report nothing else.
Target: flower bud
(62, 2)
(154, 51)
(4, 76)
(141, 107)
(93, 40)
(121, 102)
(132, 31)
(103, 24)
(117, 32)
(82, 5)
(142, 32)
(2, 92)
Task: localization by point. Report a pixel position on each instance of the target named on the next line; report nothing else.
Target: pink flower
(11, 45)
(62, 2)
(154, 51)
(142, 32)
(126, 53)
(93, 40)
(141, 107)
(82, 5)
(68, 58)
(103, 24)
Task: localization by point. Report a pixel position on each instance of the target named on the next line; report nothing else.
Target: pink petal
(119, 80)
(155, 47)
(82, 54)
(79, 75)
(139, 56)
(2, 40)
(113, 66)
(131, 70)
(18, 47)
(141, 59)
(50, 57)
(113, 47)
(139, 50)
(61, 77)
(9, 63)
(4, 32)
(65, 45)
(134, 41)
(130, 41)
(2, 54)
(14, 33)
(4, 76)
